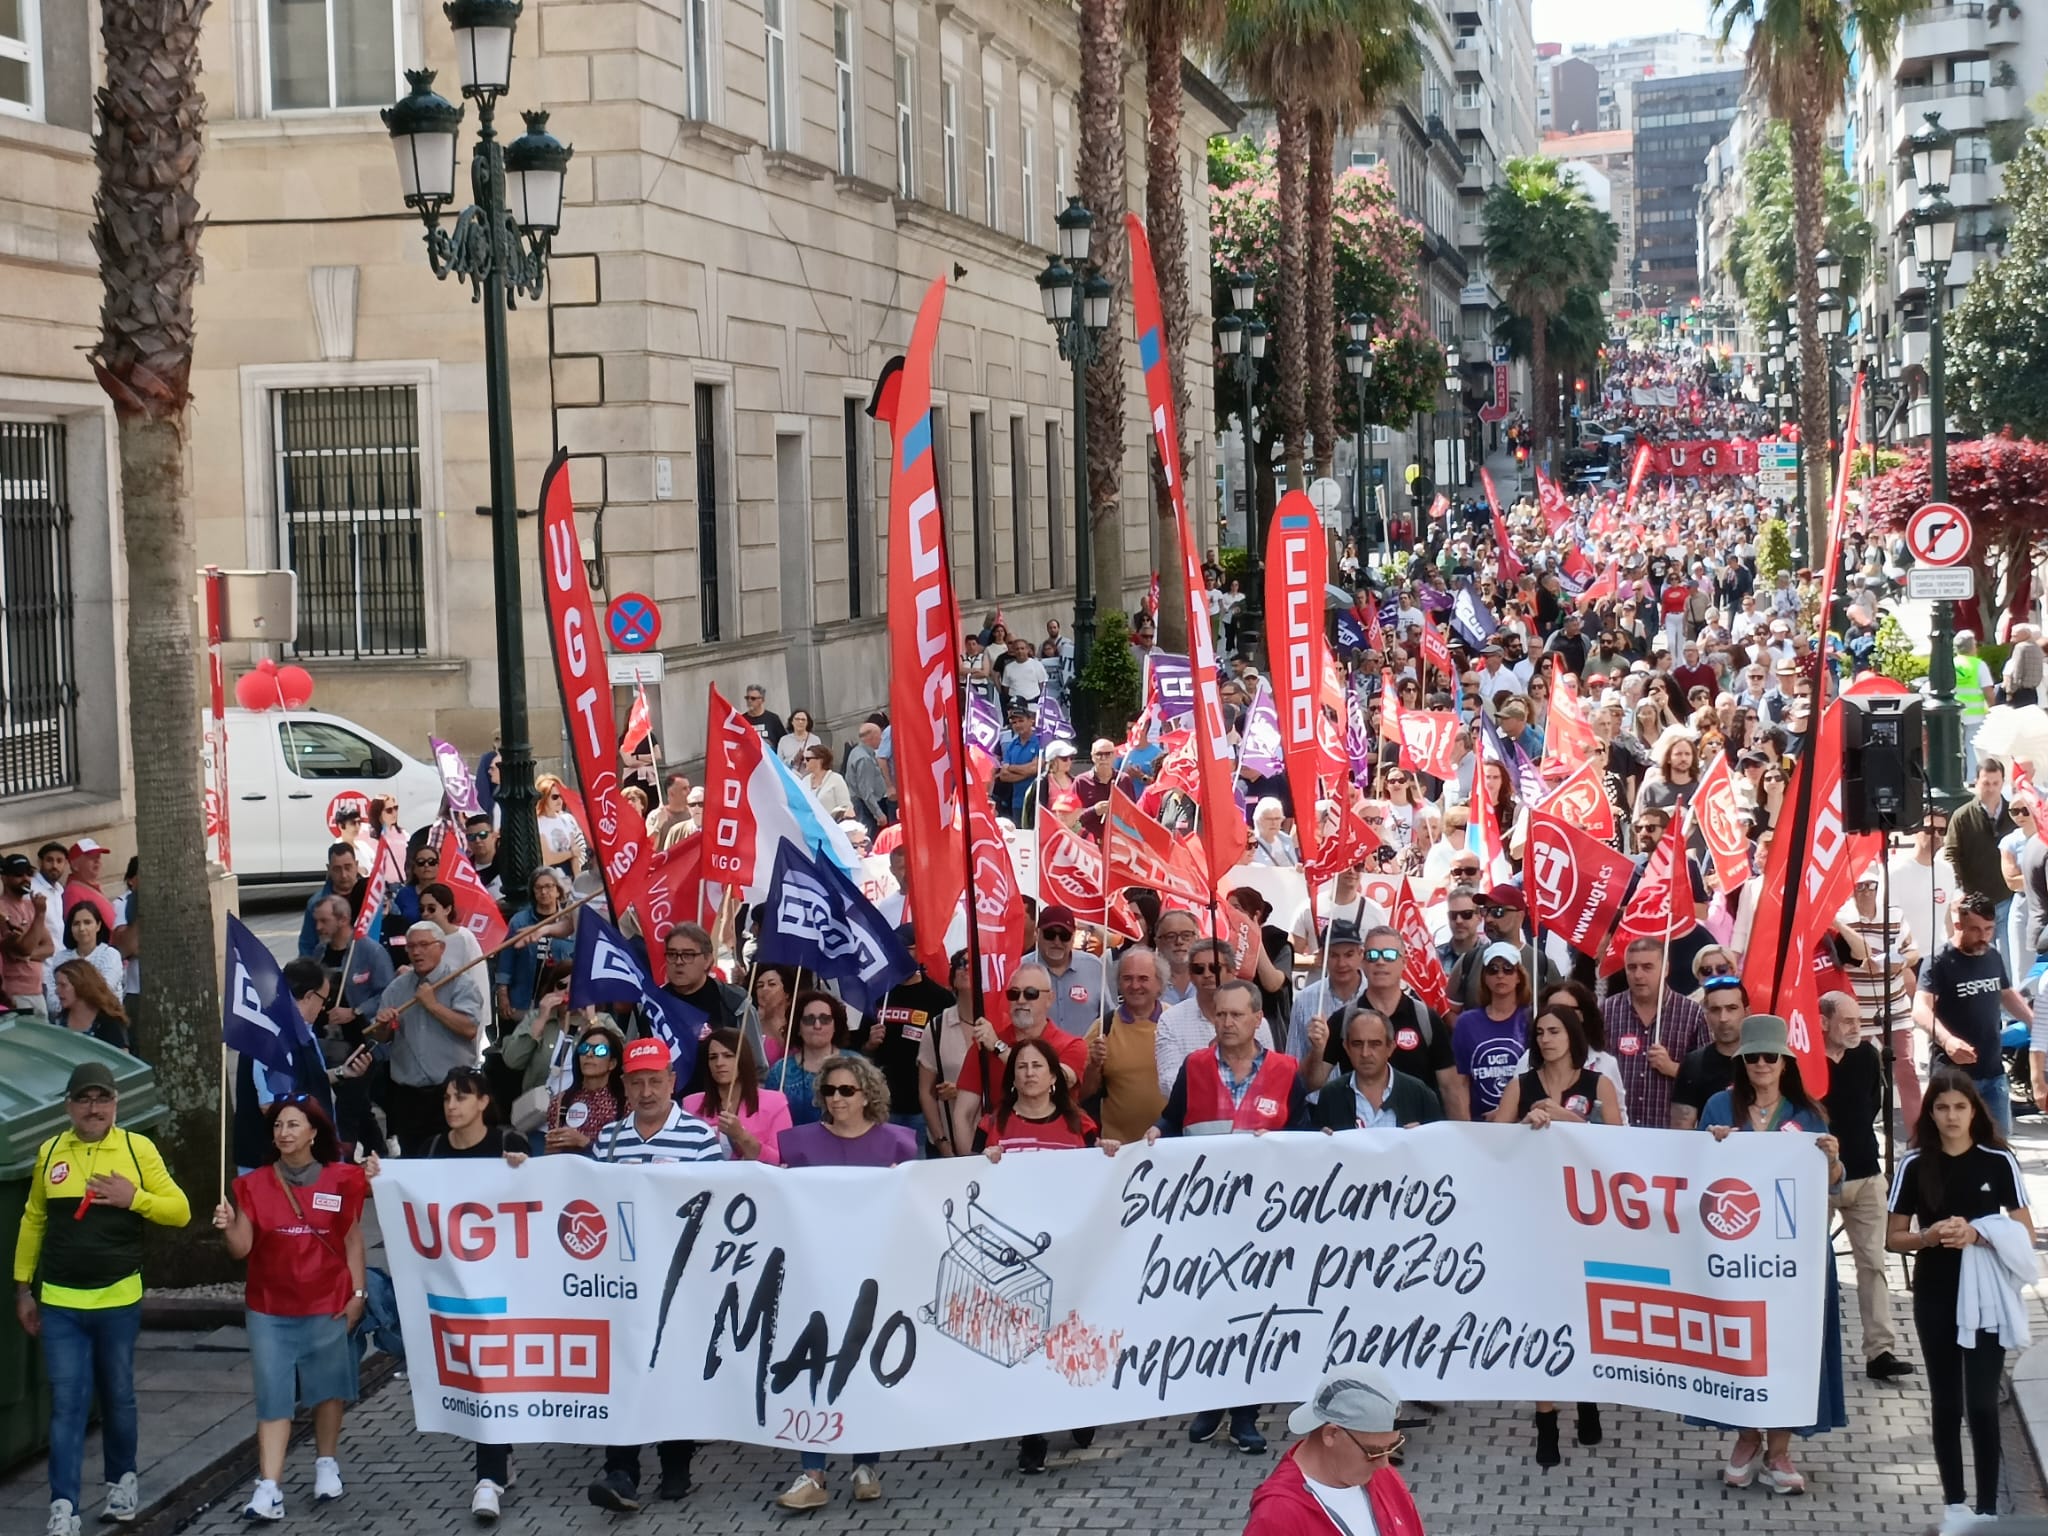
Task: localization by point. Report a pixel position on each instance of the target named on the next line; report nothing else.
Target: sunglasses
(1501, 911)
(1200, 970)
(1058, 935)
(427, 861)
(1025, 994)
(839, 1091)
(1385, 956)
(1716, 972)
(1502, 967)
(477, 837)
(599, 1048)
(1465, 916)
(1762, 1059)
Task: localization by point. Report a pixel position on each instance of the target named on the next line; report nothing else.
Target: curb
(191, 1314)
(177, 1508)
(2029, 1377)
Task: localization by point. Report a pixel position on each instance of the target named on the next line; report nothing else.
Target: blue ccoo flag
(816, 918)
(606, 972)
(258, 1017)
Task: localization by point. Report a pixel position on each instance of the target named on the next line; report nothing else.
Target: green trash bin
(35, 1063)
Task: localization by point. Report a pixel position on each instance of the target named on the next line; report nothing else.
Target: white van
(291, 770)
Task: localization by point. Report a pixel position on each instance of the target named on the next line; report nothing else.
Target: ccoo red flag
(1297, 571)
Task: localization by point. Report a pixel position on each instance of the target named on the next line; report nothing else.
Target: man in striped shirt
(656, 1130)
(1886, 975)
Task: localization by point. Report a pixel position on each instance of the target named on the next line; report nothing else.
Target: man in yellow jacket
(80, 1252)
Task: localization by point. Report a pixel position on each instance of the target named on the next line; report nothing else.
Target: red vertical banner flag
(1570, 739)
(1421, 971)
(618, 838)
(1224, 835)
(996, 903)
(931, 777)
(1557, 512)
(1504, 549)
(1720, 827)
(1436, 652)
(1637, 473)
(474, 908)
(1297, 570)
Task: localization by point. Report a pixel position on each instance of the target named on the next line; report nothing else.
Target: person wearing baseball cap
(1076, 983)
(84, 885)
(25, 941)
(654, 1129)
(1338, 1478)
(78, 1283)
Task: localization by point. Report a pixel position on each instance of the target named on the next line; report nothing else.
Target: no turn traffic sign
(1938, 534)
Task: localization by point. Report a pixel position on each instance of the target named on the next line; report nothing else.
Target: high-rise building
(1973, 66)
(1620, 66)
(1677, 121)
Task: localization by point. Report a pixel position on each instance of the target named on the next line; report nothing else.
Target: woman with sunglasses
(1948, 1191)
(298, 1221)
(1768, 1095)
(750, 1118)
(821, 1033)
(437, 906)
(596, 1095)
(848, 1127)
(562, 847)
(1404, 803)
(543, 939)
(1487, 1040)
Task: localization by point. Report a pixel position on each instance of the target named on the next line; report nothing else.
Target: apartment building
(1617, 68)
(760, 193)
(63, 687)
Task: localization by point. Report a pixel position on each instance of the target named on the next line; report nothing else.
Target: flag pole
(224, 1085)
(494, 952)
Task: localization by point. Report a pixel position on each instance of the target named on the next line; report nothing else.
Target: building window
(906, 139)
(1055, 514)
(981, 503)
(708, 594)
(347, 464)
(1029, 150)
(991, 167)
(949, 141)
(38, 693)
(856, 510)
(697, 59)
(328, 54)
(1061, 180)
(21, 63)
(1364, 159)
(777, 63)
(842, 85)
(1020, 505)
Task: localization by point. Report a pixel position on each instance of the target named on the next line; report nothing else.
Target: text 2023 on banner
(952, 1301)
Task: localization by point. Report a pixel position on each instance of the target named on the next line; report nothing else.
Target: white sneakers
(63, 1519)
(1957, 1518)
(124, 1500)
(266, 1503)
(865, 1484)
(326, 1479)
(484, 1503)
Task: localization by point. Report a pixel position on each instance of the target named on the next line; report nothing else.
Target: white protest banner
(941, 1302)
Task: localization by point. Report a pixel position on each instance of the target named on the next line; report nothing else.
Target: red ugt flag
(1661, 908)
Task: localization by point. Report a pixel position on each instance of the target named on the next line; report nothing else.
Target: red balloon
(266, 666)
(295, 686)
(254, 691)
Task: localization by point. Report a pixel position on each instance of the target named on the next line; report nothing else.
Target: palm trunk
(1101, 170)
(1322, 298)
(1808, 131)
(152, 124)
(1289, 341)
(1167, 225)
(1543, 386)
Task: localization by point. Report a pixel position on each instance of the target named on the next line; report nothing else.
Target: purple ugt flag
(984, 725)
(1259, 747)
(456, 781)
(1053, 724)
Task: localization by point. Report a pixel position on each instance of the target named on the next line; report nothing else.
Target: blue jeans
(87, 1350)
(1997, 1096)
(2002, 936)
(814, 1461)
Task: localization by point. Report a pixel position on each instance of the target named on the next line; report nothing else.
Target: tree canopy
(1998, 337)
(2000, 482)
(1761, 251)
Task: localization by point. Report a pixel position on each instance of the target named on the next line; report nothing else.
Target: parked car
(290, 771)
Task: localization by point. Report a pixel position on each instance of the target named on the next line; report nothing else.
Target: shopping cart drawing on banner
(990, 1296)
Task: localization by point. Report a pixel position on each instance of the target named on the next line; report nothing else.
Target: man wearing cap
(1342, 983)
(84, 883)
(1076, 983)
(1496, 678)
(78, 1283)
(1338, 1479)
(655, 1129)
(1422, 1037)
(1017, 762)
(24, 936)
(434, 1018)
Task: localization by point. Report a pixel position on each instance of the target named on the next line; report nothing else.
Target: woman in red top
(298, 1221)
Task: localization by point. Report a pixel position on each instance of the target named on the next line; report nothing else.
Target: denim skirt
(299, 1361)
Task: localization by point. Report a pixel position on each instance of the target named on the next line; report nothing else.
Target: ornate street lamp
(499, 246)
(1078, 299)
(1934, 247)
(1358, 363)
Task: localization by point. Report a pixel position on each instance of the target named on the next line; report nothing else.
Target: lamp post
(1358, 363)
(499, 246)
(1077, 304)
(1454, 386)
(1242, 336)
(1934, 247)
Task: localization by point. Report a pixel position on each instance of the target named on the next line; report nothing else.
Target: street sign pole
(1939, 535)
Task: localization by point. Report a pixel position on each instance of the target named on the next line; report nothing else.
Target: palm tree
(1543, 238)
(1166, 28)
(1800, 55)
(1101, 173)
(1389, 35)
(1572, 342)
(151, 122)
(1293, 54)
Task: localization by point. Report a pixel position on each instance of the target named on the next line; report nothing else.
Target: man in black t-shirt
(1706, 1071)
(1964, 996)
(1855, 1099)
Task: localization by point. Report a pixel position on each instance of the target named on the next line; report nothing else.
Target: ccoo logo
(1730, 1209)
(581, 1230)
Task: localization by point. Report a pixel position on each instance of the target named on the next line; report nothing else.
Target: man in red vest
(1234, 1085)
(1339, 1477)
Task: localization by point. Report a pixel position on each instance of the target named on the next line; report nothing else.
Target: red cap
(649, 1055)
